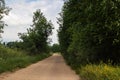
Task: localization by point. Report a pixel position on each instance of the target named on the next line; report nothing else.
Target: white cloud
(20, 17)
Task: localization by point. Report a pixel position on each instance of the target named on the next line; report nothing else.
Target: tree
(3, 10)
(14, 45)
(55, 48)
(36, 39)
(65, 33)
(90, 30)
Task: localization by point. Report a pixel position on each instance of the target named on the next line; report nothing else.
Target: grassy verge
(99, 72)
(12, 59)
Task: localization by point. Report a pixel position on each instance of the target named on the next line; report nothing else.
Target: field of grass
(12, 59)
(99, 72)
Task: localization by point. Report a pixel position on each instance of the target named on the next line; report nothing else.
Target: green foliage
(11, 59)
(89, 31)
(14, 44)
(55, 48)
(36, 39)
(3, 11)
(100, 72)
(65, 33)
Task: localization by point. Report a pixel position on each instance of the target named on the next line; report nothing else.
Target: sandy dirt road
(52, 68)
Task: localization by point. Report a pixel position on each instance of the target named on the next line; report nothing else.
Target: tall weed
(12, 59)
(100, 72)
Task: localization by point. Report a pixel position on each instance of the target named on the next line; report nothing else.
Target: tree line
(90, 31)
(36, 39)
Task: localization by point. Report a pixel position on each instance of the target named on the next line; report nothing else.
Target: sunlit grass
(100, 72)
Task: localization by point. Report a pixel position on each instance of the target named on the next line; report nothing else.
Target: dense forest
(89, 33)
(92, 30)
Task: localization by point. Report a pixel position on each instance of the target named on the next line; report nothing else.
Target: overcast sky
(20, 17)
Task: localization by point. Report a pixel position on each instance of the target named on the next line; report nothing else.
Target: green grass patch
(13, 59)
(99, 72)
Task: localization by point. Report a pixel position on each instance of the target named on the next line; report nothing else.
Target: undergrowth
(13, 59)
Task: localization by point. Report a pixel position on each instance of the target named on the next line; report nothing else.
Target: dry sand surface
(52, 68)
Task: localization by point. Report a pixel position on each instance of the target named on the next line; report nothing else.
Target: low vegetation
(99, 72)
(12, 59)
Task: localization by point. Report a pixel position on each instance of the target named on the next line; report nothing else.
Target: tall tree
(3, 10)
(92, 29)
(36, 39)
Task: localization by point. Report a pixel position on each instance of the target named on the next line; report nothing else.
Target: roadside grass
(13, 59)
(99, 72)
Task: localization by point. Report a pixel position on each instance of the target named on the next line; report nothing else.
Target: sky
(20, 17)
